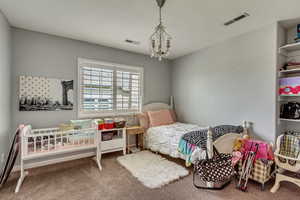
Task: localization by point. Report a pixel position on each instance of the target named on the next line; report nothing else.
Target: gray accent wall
(224, 84)
(5, 87)
(230, 82)
(39, 54)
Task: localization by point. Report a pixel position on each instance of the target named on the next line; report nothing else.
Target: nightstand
(116, 143)
(139, 134)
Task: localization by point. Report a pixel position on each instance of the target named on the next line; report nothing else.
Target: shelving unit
(287, 50)
(117, 143)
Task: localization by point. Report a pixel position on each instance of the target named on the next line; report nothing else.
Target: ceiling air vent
(132, 42)
(244, 15)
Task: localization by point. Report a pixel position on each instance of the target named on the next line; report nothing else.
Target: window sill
(83, 115)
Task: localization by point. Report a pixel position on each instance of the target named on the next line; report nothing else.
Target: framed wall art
(45, 94)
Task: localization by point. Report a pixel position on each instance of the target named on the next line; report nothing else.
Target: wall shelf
(289, 47)
(289, 71)
(289, 95)
(289, 120)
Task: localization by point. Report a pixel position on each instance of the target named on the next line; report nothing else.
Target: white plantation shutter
(97, 89)
(128, 91)
(107, 88)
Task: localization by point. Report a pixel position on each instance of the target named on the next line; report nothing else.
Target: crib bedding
(165, 139)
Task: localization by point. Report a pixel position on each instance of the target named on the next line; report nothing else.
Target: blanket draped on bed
(190, 141)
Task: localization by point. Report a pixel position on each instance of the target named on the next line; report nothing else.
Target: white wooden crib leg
(99, 165)
(22, 177)
(98, 150)
(97, 160)
(98, 157)
(20, 181)
(98, 153)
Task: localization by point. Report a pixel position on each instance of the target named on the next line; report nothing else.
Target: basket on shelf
(100, 124)
(107, 136)
(120, 123)
(109, 123)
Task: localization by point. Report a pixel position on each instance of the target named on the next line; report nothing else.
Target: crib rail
(38, 142)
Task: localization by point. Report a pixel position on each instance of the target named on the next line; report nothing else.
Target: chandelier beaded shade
(160, 40)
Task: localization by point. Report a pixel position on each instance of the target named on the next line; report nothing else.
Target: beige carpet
(81, 180)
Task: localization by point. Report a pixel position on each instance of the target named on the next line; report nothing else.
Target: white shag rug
(151, 169)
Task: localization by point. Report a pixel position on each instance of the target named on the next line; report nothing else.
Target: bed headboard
(155, 107)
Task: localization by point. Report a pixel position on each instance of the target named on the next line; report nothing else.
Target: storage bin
(262, 171)
(100, 124)
(109, 123)
(107, 136)
(81, 124)
(120, 122)
(289, 86)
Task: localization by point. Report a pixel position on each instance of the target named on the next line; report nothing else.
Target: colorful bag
(216, 172)
(290, 110)
(264, 150)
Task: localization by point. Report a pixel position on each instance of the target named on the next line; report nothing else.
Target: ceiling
(193, 24)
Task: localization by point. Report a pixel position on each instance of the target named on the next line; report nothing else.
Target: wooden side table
(139, 134)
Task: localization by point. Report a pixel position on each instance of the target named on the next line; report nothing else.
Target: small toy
(238, 144)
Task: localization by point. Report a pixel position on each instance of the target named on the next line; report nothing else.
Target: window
(108, 88)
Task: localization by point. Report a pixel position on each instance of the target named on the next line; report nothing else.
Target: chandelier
(160, 40)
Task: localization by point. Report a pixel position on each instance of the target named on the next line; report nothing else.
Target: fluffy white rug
(151, 169)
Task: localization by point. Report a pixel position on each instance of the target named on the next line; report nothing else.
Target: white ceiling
(193, 24)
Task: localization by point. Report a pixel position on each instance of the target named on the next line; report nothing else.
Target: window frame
(93, 114)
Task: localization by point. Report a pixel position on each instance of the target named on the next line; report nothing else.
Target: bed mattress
(165, 139)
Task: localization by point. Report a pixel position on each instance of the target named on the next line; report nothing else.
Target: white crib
(49, 141)
(42, 143)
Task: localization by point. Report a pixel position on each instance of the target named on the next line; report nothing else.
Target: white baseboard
(54, 161)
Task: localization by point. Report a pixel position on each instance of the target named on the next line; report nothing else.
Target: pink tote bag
(264, 150)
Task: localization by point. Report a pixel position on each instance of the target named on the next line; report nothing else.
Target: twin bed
(165, 139)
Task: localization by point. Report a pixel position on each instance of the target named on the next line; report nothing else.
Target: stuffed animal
(236, 156)
(239, 143)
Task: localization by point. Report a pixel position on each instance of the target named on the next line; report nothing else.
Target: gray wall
(230, 82)
(5, 87)
(227, 83)
(40, 54)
